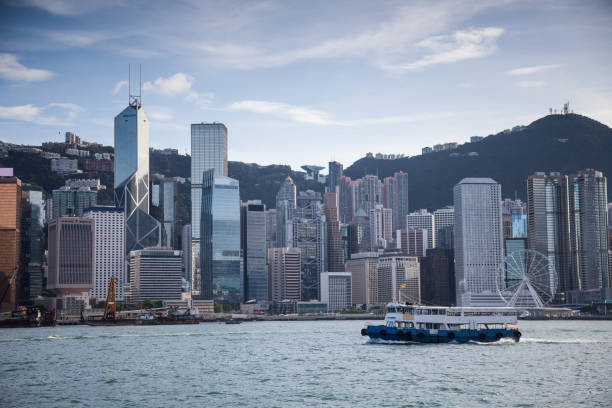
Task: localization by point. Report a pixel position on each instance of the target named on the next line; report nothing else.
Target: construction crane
(110, 309)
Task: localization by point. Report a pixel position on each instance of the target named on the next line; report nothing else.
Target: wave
(564, 341)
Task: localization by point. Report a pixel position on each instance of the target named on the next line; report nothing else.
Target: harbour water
(285, 364)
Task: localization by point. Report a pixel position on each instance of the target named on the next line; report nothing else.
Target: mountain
(564, 143)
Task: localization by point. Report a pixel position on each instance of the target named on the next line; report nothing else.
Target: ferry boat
(438, 324)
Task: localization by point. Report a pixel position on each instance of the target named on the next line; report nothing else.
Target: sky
(301, 82)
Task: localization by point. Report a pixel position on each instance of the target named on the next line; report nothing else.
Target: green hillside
(563, 143)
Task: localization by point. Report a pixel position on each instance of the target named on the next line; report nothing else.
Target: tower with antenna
(135, 100)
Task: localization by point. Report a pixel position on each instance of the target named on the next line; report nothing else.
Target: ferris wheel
(526, 279)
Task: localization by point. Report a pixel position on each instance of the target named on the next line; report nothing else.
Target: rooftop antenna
(129, 82)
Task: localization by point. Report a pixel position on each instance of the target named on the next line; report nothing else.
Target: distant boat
(232, 321)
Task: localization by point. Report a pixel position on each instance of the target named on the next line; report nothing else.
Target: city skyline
(421, 75)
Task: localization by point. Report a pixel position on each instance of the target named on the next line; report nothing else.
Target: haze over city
(356, 77)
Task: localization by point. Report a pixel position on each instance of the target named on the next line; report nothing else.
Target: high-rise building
(548, 225)
(307, 230)
(254, 250)
(364, 270)
(208, 151)
(168, 199)
(221, 259)
(437, 278)
(186, 244)
(333, 178)
(10, 232)
(412, 241)
(33, 241)
(443, 217)
(72, 201)
(271, 228)
(359, 233)
(399, 278)
(336, 290)
(71, 260)
(286, 201)
(109, 251)
(335, 253)
(589, 229)
(381, 227)
(478, 241)
(132, 177)
(284, 266)
(156, 274)
(396, 198)
(367, 193)
(423, 219)
(345, 199)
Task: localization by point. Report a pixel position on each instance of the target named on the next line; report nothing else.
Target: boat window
(449, 313)
(409, 310)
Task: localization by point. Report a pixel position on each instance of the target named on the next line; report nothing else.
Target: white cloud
(532, 70)
(310, 116)
(465, 85)
(159, 113)
(285, 111)
(12, 70)
(530, 84)
(40, 114)
(178, 84)
(119, 86)
(383, 45)
(459, 46)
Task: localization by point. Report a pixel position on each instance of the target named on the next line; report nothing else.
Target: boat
(439, 324)
(232, 321)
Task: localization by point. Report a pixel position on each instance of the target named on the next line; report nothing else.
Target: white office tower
(381, 227)
(336, 290)
(399, 278)
(109, 250)
(443, 217)
(423, 219)
(478, 241)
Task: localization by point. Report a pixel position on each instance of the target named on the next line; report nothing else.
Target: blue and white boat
(438, 324)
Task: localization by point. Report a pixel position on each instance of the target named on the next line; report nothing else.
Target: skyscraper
(333, 178)
(396, 198)
(286, 201)
(364, 269)
(254, 251)
(478, 241)
(412, 241)
(437, 278)
(132, 177)
(336, 290)
(220, 260)
(108, 250)
(271, 228)
(345, 199)
(359, 233)
(307, 232)
(367, 192)
(443, 218)
(72, 201)
(284, 267)
(168, 197)
(208, 151)
(335, 253)
(423, 219)
(398, 278)
(548, 225)
(33, 218)
(10, 231)
(156, 274)
(381, 227)
(588, 219)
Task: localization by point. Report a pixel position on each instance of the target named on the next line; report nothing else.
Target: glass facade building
(132, 178)
(254, 250)
(221, 258)
(208, 151)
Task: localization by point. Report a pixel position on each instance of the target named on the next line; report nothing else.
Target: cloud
(382, 45)
(459, 46)
(532, 70)
(178, 84)
(159, 113)
(119, 86)
(68, 7)
(12, 70)
(310, 116)
(285, 111)
(40, 114)
(530, 84)
(465, 85)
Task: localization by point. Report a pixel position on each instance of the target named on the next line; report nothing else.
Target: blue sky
(302, 82)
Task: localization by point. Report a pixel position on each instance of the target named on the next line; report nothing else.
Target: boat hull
(438, 336)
